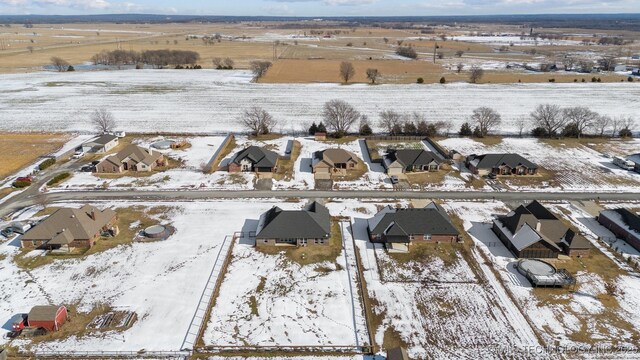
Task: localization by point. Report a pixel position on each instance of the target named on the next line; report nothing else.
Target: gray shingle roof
(430, 220)
(312, 222)
(258, 156)
(630, 218)
(413, 157)
(103, 139)
(490, 161)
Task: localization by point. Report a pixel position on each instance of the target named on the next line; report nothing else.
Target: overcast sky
(318, 8)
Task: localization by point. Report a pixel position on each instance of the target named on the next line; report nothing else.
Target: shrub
(21, 184)
(599, 80)
(630, 79)
(365, 130)
(71, 68)
(594, 79)
(58, 178)
(552, 80)
(571, 130)
(443, 80)
(46, 164)
(407, 51)
(575, 80)
(539, 132)
(583, 80)
(420, 80)
(625, 133)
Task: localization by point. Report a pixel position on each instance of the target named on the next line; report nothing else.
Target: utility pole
(275, 52)
(435, 47)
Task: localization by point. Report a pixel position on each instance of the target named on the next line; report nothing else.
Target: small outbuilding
(397, 354)
(48, 317)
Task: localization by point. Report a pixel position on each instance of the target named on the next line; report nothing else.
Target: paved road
(190, 195)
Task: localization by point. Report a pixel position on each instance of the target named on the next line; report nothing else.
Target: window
(427, 236)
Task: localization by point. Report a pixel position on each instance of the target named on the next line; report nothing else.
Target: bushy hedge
(21, 184)
(58, 178)
(46, 164)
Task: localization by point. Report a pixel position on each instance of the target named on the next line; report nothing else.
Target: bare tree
(372, 75)
(103, 120)
(59, 63)
(568, 62)
(601, 124)
(347, 71)
(581, 117)
(486, 119)
(459, 67)
(217, 62)
(228, 63)
(258, 121)
(626, 126)
(615, 123)
(459, 53)
(339, 116)
(521, 124)
(390, 120)
(259, 68)
(476, 74)
(607, 62)
(548, 117)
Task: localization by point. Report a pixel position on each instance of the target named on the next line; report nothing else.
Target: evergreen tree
(313, 129)
(465, 130)
(321, 128)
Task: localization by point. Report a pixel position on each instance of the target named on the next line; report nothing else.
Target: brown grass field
(22, 149)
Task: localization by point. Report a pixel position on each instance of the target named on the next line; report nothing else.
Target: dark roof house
(254, 158)
(411, 160)
(402, 226)
(532, 231)
(311, 225)
(102, 143)
(501, 164)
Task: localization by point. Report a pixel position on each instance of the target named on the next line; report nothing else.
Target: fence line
(216, 155)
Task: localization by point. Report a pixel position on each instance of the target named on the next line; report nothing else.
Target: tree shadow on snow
(249, 232)
(305, 165)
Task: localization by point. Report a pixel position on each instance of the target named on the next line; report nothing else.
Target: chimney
(538, 226)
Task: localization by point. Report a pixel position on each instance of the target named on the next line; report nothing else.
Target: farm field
(209, 101)
(23, 149)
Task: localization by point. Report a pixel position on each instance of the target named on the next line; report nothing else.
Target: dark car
(87, 168)
(6, 232)
(492, 176)
(394, 179)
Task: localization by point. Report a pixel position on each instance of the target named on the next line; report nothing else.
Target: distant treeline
(156, 58)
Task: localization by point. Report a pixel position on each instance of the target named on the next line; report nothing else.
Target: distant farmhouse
(399, 228)
(309, 226)
(131, 158)
(500, 164)
(532, 231)
(624, 223)
(254, 159)
(334, 162)
(69, 228)
(411, 160)
(101, 144)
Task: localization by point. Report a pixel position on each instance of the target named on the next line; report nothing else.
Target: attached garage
(48, 317)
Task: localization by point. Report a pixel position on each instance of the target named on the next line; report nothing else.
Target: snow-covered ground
(575, 168)
(515, 40)
(267, 300)
(566, 316)
(208, 101)
(161, 281)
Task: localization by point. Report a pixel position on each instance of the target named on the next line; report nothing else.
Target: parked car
(6, 232)
(77, 155)
(492, 176)
(25, 178)
(394, 179)
(87, 168)
(20, 227)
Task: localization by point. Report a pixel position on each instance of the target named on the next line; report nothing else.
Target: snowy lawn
(587, 316)
(271, 300)
(210, 101)
(437, 305)
(160, 281)
(566, 167)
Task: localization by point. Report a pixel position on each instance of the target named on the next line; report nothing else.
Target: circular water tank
(163, 144)
(155, 232)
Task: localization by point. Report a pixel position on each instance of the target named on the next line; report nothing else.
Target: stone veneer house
(532, 231)
(411, 160)
(334, 162)
(70, 228)
(623, 223)
(309, 226)
(254, 159)
(398, 228)
(131, 158)
(500, 164)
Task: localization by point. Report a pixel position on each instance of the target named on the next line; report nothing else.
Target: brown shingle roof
(77, 222)
(336, 156)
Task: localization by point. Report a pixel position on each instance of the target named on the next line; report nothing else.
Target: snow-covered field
(567, 319)
(512, 40)
(575, 168)
(161, 281)
(208, 101)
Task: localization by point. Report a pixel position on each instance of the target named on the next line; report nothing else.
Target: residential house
(71, 228)
(624, 223)
(500, 164)
(620, 67)
(131, 158)
(99, 145)
(334, 162)
(320, 136)
(309, 226)
(411, 160)
(254, 159)
(635, 159)
(532, 231)
(398, 228)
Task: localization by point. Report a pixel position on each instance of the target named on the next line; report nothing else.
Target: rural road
(190, 195)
